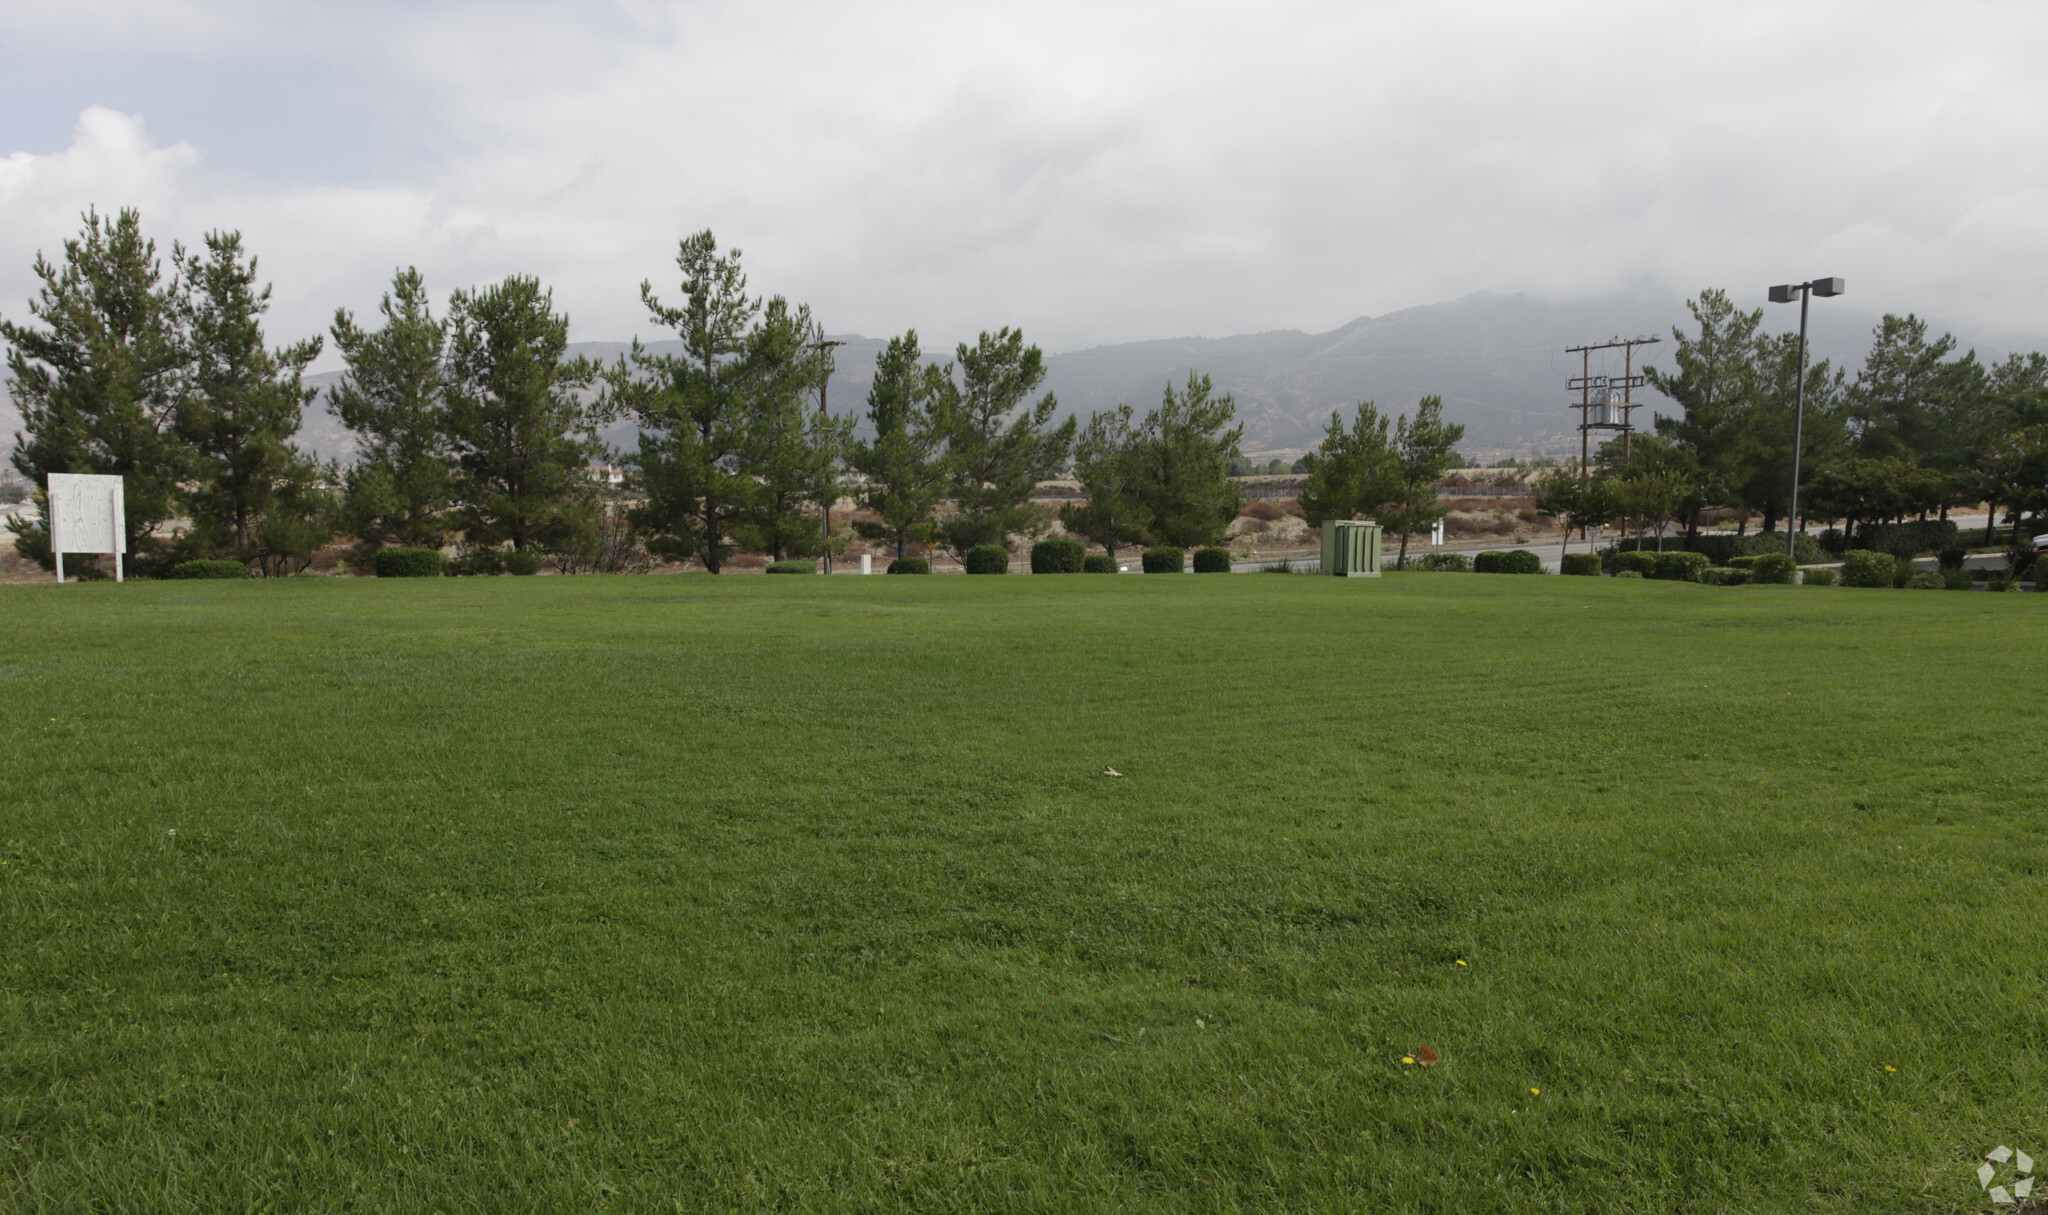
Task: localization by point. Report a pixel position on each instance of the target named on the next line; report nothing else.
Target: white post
(117, 567)
(867, 563)
(114, 521)
(60, 567)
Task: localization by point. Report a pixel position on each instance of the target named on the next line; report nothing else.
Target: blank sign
(86, 514)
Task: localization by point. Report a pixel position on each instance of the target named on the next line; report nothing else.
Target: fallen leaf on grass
(1425, 1057)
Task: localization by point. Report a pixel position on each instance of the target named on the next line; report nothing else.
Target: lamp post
(827, 346)
(1825, 288)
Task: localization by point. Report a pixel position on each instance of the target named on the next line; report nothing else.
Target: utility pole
(1603, 387)
(824, 380)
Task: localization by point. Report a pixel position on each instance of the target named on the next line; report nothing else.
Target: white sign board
(87, 515)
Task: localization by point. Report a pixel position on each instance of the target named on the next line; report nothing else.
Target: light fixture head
(1785, 294)
(1827, 286)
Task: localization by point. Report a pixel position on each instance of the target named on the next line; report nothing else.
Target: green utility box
(1351, 549)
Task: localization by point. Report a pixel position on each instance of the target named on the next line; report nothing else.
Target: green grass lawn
(655, 894)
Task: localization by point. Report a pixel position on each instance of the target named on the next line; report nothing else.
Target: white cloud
(1106, 172)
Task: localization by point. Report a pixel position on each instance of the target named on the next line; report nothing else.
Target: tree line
(1919, 430)
(474, 429)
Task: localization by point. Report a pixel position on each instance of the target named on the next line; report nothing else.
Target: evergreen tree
(1353, 470)
(1183, 466)
(1107, 462)
(1757, 472)
(242, 402)
(701, 411)
(521, 433)
(794, 450)
(1715, 385)
(97, 380)
(1909, 395)
(1425, 448)
(999, 448)
(902, 468)
(394, 399)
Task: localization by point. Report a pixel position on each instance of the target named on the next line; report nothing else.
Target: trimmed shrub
(522, 561)
(1866, 567)
(1817, 577)
(988, 559)
(1487, 562)
(208, 569)
(1775, 569)
(1903, 570)
(1582, 565)
(1058, 555)
(1909, 539)
(1098, 563)
(792, 567)
(478, 562)
(1926, 580)
(1212, 560)
(1165, 560)
(910, 565)
(1444, 563)
(403, 562)
(1639, 564)
(1957, 579)
(1679, 567)
(1722, 548)
(1724, 575)
(1628, 574)
(2002, 580)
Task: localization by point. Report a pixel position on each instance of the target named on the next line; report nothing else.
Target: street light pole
(823, 412)
(1825, 288)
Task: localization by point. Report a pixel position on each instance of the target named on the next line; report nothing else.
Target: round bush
(405, 562)
(1098, 563)
(209, 569)
(1638, 563)
(1866, 567)
(1628, 573)
(1926, 580)
(1582, 565)
(1679, 567)
(988, 559)
(1512, 561)
(1212, 560)
(792, 567)
(910, 565)
(1775, 569)
(1058, 555)
(1724, 575)
(1165, 560)
(522, 561)
(1487, 562)
(1817, 578)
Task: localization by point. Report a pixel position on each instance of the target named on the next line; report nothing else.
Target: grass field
(655, 894)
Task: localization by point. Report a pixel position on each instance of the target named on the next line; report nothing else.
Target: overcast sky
(1093, 172)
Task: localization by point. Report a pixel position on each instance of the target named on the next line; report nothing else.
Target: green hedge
(1725, 575)
(792, 567)
(209, 569)
(1584, 565)
(1212, 560)
(1512, 561)
(1679, 567)
(988, 559)
(1773, 568)
(1165, 560)
(1098, 563)
(1866, 567)
(1444, 563)
(1927, 580)
(1058, 555)
(1817, 578)
(1909, 539)
(910, 565)
(1639, 564)
(404, 562)
(1722, 548)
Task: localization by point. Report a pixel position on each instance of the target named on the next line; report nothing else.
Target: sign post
(87, 515)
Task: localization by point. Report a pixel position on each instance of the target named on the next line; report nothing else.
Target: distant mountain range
(1498, 361)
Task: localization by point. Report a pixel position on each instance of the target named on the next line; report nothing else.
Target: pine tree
(241, 402)
(394, 399)
(794, 449)
(1716, 386)
(97, 380)
(1425, 448)
(1106, 459)
(998, 448)
(522, 435)
(1353, 471)
(902, 468)
(1183, 478)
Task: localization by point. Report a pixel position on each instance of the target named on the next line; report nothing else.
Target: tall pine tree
(393, 398)
(96, 379)
(902, 468)
(998, 447)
